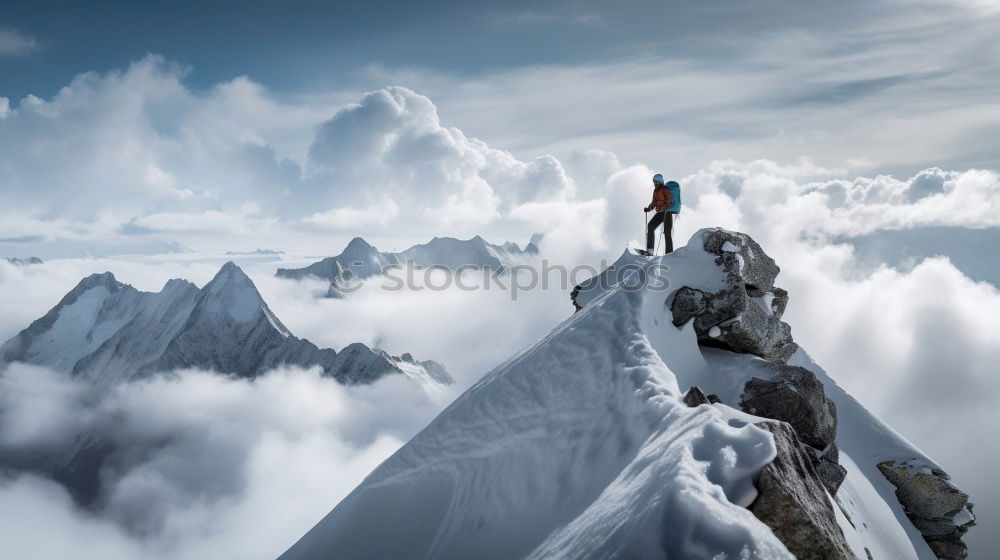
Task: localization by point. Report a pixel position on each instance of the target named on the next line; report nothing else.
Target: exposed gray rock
(744, 316)
(796, 396)
(829, 469)
(793, 394)
(948, 547)
(695, 397)
(714, 399)
(572, 296)
(793, 503)
(940, 511)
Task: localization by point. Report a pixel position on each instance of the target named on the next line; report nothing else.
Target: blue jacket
(675, 191)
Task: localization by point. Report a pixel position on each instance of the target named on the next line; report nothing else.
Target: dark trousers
(668, 231)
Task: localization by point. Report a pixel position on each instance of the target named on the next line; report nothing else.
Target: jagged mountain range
(361, 260)
(107, 332)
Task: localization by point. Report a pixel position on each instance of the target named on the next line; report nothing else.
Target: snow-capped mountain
(108, 332)
(23, 262)
(361, 260)
(664, 419)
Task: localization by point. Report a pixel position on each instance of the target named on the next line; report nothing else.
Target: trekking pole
(657, 249)
(645, 222)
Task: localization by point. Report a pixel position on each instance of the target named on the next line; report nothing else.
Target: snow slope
(579, 447)
(107, 332)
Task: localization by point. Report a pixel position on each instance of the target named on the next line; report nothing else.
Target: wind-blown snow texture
(107, 332)
(580, 447)
(360, 260)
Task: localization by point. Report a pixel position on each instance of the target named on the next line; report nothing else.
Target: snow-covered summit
(108, 332)
(585, 445)
(360, 260)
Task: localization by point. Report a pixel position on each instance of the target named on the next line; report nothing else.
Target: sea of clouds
(217, 467)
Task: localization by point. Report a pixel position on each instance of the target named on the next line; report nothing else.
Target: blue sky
(784, 78)
(293, 46)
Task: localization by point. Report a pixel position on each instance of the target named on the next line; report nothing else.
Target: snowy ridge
(108, 332)
(580, 447)
(361, 260)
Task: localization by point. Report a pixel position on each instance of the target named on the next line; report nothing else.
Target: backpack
(671, 185)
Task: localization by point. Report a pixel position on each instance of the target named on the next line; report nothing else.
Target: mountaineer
(666, 202)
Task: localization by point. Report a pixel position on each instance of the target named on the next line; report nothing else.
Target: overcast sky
(856, 141)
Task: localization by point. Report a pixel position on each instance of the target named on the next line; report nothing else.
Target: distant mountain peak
(230, 277)
(359, 243)
(177, 284)
(108, 332)
(25, 261)
(230, 269)
(363, 260)
(104, 280)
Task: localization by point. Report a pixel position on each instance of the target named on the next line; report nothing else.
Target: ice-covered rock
(793, 503)
(940, 511)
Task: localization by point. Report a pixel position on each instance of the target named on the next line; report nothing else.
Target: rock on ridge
(791, 501)
(745, 315)
(940, 511)
(794, 395)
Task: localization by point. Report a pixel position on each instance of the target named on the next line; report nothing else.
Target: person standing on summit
(666, 202)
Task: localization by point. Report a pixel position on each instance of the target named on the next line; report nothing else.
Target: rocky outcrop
(696, 397)
(744, 316)
(794, 395)
(828, 467)
(792, 502)
(941, 512)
